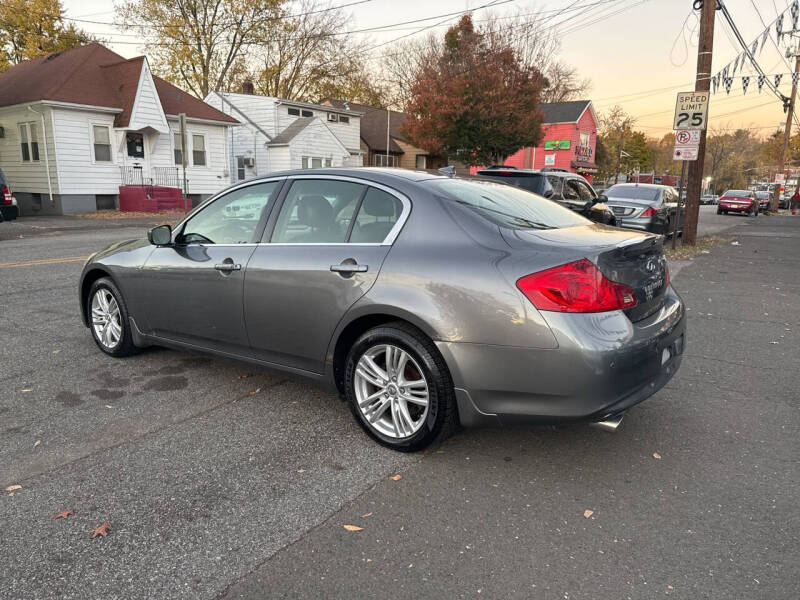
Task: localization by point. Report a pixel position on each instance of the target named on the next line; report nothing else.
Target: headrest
(314, 211)
(379, 205)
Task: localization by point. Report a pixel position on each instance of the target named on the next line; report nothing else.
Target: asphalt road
(224, 481)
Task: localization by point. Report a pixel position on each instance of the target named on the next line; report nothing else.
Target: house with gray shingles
(277, 134)
(81, 127)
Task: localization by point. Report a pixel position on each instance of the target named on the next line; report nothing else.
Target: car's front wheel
(108, 319)
(399, 388)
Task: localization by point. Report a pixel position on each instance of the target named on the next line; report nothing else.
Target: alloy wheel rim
(106, 321)
(391, 391)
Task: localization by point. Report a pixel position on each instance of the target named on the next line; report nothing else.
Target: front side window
(178, 143)
(199, 150)
(29, 141)
(507, 206)
(101, 143)
(232, 218)
(584, 191)
(317, 211)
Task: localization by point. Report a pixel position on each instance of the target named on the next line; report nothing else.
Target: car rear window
(633, 192)
(508, 206)
(739, 193)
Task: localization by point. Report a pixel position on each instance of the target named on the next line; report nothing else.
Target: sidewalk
(44, 225)
(694, 496)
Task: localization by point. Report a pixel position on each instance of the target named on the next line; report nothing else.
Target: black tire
(442, 416)
(719, 211)
(124, 346)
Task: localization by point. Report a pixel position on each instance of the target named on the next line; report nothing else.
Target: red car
(741, 201)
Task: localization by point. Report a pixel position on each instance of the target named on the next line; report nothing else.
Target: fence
(161, 176)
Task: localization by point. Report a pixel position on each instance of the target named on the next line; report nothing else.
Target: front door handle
(345, 268)
(227, 267)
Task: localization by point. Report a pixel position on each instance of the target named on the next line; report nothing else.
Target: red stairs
(150, 198)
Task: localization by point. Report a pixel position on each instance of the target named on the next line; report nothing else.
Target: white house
(79, 125)
(277, 134)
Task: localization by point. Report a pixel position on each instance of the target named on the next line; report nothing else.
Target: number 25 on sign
(691, 110)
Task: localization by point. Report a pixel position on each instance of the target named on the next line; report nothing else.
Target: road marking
(43, 261)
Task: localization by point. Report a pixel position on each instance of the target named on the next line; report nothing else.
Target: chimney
(247, 87)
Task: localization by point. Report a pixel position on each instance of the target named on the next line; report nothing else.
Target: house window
(549, 160)
(295, 112)
(178, 152)
(585, 140)
(381, 160)
(333, 117)
(328, 162)
(421, 161)
(29, 141)
(199, 150)
(313, 162)
(307, 113)
(101, 143)
(135, 144)
(239, 168)
(343, 119)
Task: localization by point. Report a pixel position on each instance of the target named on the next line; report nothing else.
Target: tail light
(6, 195)
(577, 287)
(649, 212)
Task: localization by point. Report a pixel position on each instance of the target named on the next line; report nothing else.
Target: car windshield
(507, 205)
(633, 192)
(739, 194)
(763, 194)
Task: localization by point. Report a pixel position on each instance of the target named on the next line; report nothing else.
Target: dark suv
(568, 189)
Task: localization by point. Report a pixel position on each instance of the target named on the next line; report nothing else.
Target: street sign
(691, 110)
(687, 144)
(780, 178)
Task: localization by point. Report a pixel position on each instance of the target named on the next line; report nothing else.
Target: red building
(569, 140)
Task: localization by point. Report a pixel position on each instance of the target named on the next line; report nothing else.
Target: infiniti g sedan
(426, 301)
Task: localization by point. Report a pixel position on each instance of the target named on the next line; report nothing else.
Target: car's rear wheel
(719, 211)
(108, 319)
(399, 388)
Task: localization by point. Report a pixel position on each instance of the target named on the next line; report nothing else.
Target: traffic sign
(687, 144)
(691, 111)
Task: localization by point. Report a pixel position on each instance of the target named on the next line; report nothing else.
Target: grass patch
(704, 245)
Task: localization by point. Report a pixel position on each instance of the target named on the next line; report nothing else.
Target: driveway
(221, 480)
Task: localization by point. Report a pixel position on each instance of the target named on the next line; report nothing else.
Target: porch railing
(161, 176)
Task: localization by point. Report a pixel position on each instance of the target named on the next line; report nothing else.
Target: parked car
(425, 300)
(568, 189)
(785, 201)
(708, 199)
(739, 201)
(8, 203)
(643, 206)
(764, 200)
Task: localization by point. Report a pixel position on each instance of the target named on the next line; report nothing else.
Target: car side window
(584, 191)
(556, 183)
(571, 190)
(232, 218)
(376, 217)
(317, 211)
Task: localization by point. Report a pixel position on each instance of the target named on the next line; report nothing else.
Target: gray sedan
(643, 206)
(426, 301)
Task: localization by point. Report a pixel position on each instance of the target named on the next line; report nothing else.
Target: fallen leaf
(245, 375)
(109, 406)
(366, 515)
(587, 513)
(301, 470)
(25, 390)
(63, 514)
(396, 477)
(36, 443)
(656, 455)
(10, 494)
(353, 527)
(56, 351)
(102, 530)
(669, 587)
(11, 488)
(255, 392)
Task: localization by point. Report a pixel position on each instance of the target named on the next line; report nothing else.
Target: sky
(638, 53)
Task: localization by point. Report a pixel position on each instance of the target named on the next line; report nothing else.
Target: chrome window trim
(214, 198)
(388, 240)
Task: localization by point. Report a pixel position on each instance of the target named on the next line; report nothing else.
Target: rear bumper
(641, 224)
(604, 365)
(732, 208)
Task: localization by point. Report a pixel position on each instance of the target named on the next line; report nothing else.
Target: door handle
(227, 267)
(345, 268)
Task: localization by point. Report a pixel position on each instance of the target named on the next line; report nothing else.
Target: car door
(322, 250)
(194, 286)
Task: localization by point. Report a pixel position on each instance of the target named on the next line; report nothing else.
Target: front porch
(152, 190)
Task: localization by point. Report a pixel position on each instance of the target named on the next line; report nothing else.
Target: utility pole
(702, 84)
(787, 135)
(619, 150)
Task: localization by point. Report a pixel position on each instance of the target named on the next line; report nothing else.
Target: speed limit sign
(691, 110)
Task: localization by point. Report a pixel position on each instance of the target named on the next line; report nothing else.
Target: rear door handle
(344, 268)
(227, 267)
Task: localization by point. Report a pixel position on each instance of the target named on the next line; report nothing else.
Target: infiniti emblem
(650, 267)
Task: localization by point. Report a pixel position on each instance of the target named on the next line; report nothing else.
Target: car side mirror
(548, 193)
(161, 235)
(602, 198)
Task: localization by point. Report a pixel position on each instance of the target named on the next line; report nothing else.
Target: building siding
(30, 177)
(147, 111)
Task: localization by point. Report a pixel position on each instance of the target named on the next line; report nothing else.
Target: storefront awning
(583, 167)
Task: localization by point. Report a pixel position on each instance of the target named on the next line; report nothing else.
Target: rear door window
(377, 216)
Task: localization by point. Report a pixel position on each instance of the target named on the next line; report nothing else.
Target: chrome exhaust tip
(609, 424)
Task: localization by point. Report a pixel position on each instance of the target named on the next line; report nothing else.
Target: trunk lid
(630, 257)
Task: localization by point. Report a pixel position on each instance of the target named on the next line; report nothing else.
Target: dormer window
(343, 119)
(307, 113)
(295, 112)
(333, 118)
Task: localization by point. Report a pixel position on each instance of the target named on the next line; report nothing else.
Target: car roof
(371, 173)
(643, 185)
